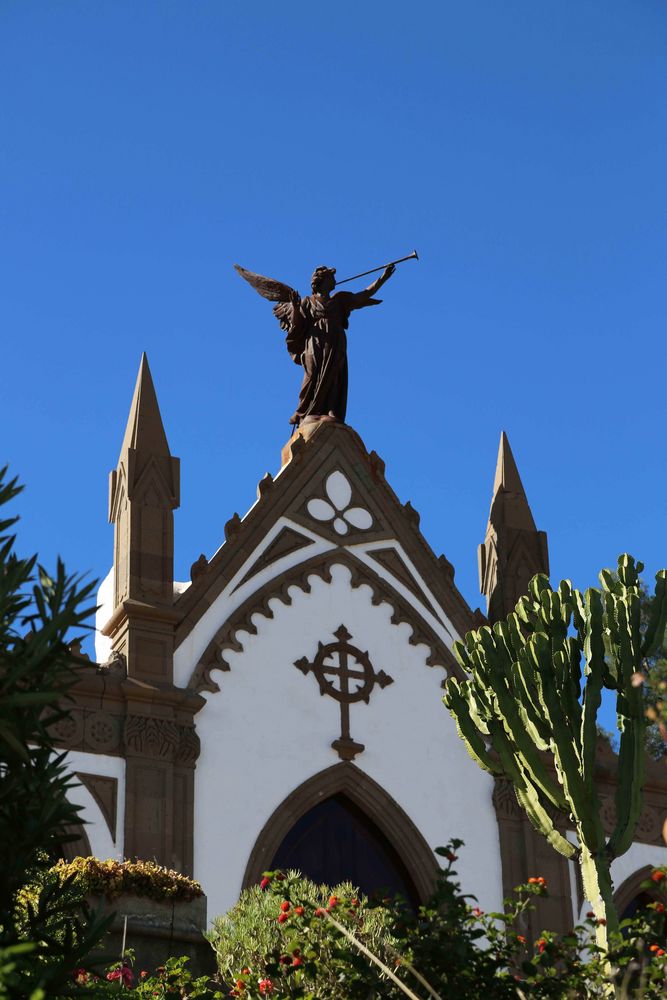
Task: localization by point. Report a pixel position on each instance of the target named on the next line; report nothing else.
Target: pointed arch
(372, 800)
(630, 892)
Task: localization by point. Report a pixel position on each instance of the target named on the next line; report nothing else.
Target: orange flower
(521, 938)
(333, 901)
(298, 910)
(541, 945)
(657, 875)
(538, 880)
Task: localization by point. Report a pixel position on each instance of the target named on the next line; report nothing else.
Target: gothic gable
(329, 504)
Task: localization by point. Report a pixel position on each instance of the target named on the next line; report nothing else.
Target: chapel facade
(283, 707)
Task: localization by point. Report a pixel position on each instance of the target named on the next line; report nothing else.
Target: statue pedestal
(305, 431)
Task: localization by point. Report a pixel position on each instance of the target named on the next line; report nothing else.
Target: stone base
(306, 430)
(157, 931)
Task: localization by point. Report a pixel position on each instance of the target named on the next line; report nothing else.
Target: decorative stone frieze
(161, 739)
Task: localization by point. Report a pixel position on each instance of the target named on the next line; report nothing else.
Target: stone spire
(513, 550)
(143, 493)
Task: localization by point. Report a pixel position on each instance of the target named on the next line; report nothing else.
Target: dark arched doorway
(340, 825)
(336, 842)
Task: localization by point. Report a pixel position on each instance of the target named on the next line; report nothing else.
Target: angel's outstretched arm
(357, 300)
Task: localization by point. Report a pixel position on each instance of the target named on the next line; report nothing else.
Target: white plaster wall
(268, 730)
(97, 830)
(102, 616)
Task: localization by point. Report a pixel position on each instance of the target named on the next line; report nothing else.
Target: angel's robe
(316, 340)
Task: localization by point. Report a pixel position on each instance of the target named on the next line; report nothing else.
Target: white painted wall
(97, 831)
(102, 616)
(268, 730)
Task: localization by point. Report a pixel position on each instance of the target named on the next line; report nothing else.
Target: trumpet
(411, 256)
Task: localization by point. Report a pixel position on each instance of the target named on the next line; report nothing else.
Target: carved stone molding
(505, 801)
(649, 824)
(372, 800)
(91, 730)
(279, 589)
(160, 739)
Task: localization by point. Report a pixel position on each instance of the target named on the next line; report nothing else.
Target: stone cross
(344, 663)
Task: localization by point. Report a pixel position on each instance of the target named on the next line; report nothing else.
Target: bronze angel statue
(316, 338)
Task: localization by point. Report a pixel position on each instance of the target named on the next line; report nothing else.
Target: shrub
(37, 612)
(114, 878)
(290, 938)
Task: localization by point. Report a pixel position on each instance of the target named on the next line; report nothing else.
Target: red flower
(284, 959)
(143, 974)
(124, 973)
(283, 917)
(542, 882)
(265, 986)
(657, 876)
(451, 856)
(319, 912)
(245, 971)
(477, 912)
(590, 914)
(298, 910)
(521, 938)
(333, 901)
(264, 884)
(541, 945)
(354, 902)
(80, 976)
(297, 960)
(659, 907)
(602, 922)
(284, 906)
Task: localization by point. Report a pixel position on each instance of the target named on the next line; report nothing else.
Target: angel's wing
(268, 288)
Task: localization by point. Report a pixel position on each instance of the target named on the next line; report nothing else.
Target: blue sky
(520, 147)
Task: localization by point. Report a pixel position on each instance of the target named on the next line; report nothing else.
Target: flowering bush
(171, 980)
(114, 878)
(290, 938)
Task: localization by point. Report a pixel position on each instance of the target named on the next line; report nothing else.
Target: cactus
(527, 711)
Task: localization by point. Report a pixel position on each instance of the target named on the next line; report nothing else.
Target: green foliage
(528, 710)
(173, 979)
(279, 933)
(114, 878)
(41, 943)
(280, 940)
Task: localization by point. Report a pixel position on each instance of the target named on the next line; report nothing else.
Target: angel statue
(316, 338)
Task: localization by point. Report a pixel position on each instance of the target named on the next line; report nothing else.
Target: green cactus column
(528, 711)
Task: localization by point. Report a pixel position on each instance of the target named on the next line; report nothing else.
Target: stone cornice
(131, 610)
